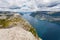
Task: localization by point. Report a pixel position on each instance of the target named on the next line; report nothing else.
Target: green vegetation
(4, 22)
(33, 31)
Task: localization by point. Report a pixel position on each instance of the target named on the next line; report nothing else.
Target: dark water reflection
(46, 30)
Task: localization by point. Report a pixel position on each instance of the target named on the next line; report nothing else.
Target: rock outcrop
(16, 28)
(16, 33)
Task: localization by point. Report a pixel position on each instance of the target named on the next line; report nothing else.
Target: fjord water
(46, 30)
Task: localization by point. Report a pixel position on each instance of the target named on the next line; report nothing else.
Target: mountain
(14, 27)
(51, 16)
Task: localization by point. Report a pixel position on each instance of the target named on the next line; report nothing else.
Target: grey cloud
(30, 5)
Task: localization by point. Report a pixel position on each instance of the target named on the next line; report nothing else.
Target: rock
(16, 33)
(15, 27)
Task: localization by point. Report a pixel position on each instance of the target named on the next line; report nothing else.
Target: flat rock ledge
(16, 33)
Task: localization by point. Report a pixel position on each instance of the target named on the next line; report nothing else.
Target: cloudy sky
(29, 5)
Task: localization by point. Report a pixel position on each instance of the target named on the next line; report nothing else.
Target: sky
(29, 5)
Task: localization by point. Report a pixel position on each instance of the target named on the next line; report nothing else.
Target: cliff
(16, 28)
